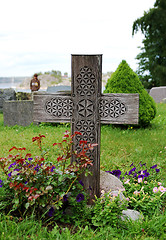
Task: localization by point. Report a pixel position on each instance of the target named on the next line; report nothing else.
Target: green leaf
(27, 205)
(16, 201)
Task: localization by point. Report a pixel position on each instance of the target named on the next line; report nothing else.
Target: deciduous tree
(152, 58)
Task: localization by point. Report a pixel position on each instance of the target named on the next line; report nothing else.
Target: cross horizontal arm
(113, 108)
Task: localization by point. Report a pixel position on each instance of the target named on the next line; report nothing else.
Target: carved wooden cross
(86, 108)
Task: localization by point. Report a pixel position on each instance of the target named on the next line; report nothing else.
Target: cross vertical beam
(86, 92)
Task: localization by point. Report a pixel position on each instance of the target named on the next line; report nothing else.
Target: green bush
(125, 80)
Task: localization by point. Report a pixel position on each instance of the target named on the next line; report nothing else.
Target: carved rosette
(111, 108)
(59, 107)
(86, 82)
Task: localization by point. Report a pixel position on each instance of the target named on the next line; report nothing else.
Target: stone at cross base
(86, 108)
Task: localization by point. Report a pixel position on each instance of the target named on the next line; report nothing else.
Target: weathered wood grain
(86, 108)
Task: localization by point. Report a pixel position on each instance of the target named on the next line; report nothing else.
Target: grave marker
(86, 108)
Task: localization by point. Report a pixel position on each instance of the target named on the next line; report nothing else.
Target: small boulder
(109, 182)
(164, 100)
(131, 215)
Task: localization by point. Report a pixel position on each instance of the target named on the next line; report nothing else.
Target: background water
(15, 82)
(12, 82)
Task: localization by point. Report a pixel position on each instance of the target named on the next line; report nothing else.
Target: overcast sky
(41, 35)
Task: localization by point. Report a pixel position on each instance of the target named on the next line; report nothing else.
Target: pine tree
(125, 80)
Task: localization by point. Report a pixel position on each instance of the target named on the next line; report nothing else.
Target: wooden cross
(86, 108)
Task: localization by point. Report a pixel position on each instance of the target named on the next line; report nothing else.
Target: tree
(125, 80)
(152, 59)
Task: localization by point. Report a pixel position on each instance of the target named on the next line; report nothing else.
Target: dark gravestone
(6, 94)
(18, 113)
(86, 108)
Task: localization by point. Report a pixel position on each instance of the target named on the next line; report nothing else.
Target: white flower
(139, 180)
(162, 189)
(127, 181)
(136, 192)
(102, 192)
(48, 188)
(14, 173)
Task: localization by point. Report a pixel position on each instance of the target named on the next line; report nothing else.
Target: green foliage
(152, 59)
(144, 190)
(125, 80)
(107, 210)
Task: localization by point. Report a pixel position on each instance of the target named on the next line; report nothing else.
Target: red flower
(22, 148)
(28, 155)
(13, 148)
(82, 142)
(66, 136)
(42, 136)
(35, 139)
(77, 133)
(20, 160)
(56, 144)
(59, 159)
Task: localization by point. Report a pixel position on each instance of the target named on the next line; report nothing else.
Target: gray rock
(164, 100)
(131, 215)
(109, 182)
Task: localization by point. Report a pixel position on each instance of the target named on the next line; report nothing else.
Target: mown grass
(119, 148)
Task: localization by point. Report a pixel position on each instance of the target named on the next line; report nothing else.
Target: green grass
(119, 148)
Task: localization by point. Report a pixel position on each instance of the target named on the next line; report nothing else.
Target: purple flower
(36, 168)
(132, 170)
(17, 169)
(30, 159)
(116, 173)
(81, 183)
(141, 176)
(11, 165)
(10, 174)
(51, 212)
(154, 166)
(80, 197)
(65, 198)
(140, 163)
(132, 165)
(146, 174)
(52, 168)
(157, 170)
(135, 174)
(1, 183)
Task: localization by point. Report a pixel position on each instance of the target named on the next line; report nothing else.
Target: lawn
(120, 147)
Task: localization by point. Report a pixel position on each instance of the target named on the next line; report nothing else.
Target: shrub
(125, 80)
(34, 185)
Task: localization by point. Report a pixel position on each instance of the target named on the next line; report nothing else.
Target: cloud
(39, 35)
